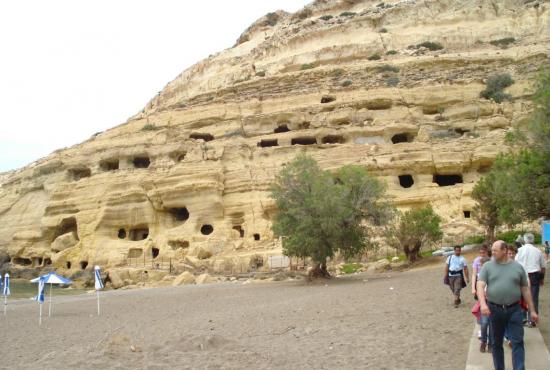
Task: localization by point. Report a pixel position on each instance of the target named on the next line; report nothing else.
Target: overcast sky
(71, 68)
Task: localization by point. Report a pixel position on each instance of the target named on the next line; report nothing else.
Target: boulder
(4, 257)
(203, 254)
(205, 279)
(382, 265)
(116, 280)
(63, 242)
(184, 278)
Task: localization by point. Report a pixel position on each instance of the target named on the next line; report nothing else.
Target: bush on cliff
(495, 87)
(320, 214)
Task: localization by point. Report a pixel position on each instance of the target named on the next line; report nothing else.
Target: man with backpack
(456, 273)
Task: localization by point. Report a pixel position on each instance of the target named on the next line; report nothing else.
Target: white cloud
(72, 68)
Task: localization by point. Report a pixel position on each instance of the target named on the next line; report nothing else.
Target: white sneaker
(479, 334)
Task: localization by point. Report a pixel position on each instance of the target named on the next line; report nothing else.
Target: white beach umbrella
(52, 278)
(98, 284)
(5, 290)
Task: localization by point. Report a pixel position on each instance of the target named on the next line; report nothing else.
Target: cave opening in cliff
(67, 225)
(135, 252)
(327, 99)
(178, 155)
(68, 265)
(36, 261)
(79, 173)
(401, 138)
(240, 230)
(461, 131)
(109, 165)
(139, 233)
(333, 139)
(467, 214)
(121, 233)
(199, 136)
(47, 261)
(303, 141)
(256, 237)
(447, 180)
(141, 162)
(207, 229)
(180, 214)
(406, 181)
(177, 244)
(266, 143)
(83, 265)
(155, 252)
(281, 128)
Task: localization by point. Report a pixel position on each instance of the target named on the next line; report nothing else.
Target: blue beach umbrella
(5, 290)
(52, 278)
(98, 284)
(40, 297)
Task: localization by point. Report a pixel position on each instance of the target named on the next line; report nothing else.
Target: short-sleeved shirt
(503, 281)
(476, 265)
(456, 264)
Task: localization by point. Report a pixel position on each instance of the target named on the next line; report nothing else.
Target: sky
(72, 68)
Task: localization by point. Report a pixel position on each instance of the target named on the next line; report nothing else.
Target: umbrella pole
(50, 311)
(40, 319)
(97, 292)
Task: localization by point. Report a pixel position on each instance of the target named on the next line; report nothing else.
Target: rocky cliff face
(357, 82)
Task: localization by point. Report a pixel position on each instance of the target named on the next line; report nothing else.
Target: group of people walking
(506, 287)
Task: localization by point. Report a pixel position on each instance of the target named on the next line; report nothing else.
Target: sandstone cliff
(188, 177)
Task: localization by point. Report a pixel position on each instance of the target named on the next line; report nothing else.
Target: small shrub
(347, 14)
(381, 5)
(326, 17)
(149, 127)
(503, 43)
(271, 19)
(260, 74)
(392, 81)
(346, 83)
(510, 236)
(433, 46)
(374, 57)
(306, 66)
(391, 52)
(383, 30)
(495, 86)
(337, 72)
(388, 68)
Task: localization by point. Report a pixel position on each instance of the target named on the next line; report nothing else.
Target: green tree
(486, 212)
(522, 177)
(320, 214)
(416, 229)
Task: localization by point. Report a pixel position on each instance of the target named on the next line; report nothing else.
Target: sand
(398, 320)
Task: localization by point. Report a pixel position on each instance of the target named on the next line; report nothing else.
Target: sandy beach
(396, 320)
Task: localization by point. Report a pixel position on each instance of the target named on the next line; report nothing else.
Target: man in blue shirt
(456, 271)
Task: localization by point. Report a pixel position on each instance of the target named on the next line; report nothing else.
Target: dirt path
(351, 322)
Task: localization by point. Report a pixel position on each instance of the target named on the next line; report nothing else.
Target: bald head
(499, 250)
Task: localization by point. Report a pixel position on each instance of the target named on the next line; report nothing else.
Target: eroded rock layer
(345, 81)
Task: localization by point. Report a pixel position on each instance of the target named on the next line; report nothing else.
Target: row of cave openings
(407, 181)
(403, 137)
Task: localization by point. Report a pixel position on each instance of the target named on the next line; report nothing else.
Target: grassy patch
(150, 127)
(260, 74)
(347, 14)
(374, 57)
(392, 81)
(337, 72)
(350, 268)
(383, 30)
(391, 52)
(305, 66)
(388, 68)
(326, 17)
(346, 83)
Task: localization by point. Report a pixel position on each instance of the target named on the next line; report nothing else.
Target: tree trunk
(490, 235)
(319, 271)
(413, 254)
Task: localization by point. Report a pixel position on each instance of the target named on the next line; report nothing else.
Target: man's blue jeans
(485, 332)
(510, 320)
